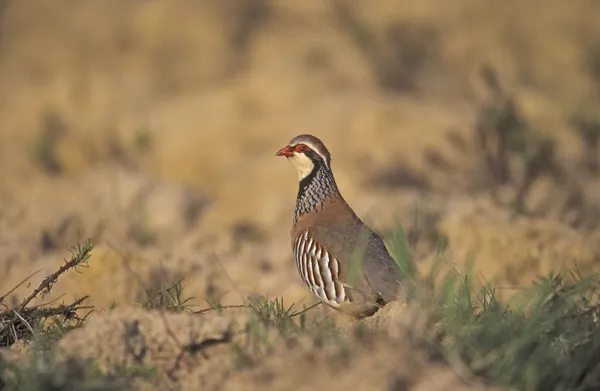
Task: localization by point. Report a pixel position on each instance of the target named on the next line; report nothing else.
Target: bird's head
(306, 153)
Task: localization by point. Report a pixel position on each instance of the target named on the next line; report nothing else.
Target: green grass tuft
(170, 298)
(545, 338)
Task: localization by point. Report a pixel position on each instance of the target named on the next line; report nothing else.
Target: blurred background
(151, 128)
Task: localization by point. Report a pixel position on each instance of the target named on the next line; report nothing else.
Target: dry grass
(549, 329)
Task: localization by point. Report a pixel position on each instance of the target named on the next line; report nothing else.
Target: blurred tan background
(151, 127)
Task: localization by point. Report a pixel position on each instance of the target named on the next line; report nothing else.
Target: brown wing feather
(356, 245)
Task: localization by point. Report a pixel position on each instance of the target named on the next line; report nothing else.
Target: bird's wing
(365, 262)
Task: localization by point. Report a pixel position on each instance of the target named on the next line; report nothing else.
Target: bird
(342, 261)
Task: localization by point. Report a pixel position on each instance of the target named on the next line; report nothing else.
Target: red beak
(285, 151)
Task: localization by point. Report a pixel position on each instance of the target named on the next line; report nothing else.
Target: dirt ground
(151, 128)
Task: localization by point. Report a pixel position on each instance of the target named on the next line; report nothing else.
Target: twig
(18, 285)
(233, 284)
(125, 258)
(51, 301)
(26, 323)
(305, 310)
(234, 306)
(14, 331)
(225, 307)
(61, 309)
(170, 331)
(80, 255)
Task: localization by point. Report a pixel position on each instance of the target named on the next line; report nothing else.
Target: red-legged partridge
(341, 260)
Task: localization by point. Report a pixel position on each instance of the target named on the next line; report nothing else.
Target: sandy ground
(151, 127)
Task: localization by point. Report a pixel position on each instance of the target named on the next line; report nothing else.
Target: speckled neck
(318, 187)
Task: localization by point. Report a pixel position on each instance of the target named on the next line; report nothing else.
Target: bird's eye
(301, 148)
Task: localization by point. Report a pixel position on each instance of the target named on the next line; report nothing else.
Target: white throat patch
(302, 164)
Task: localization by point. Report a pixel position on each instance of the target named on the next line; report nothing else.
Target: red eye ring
(301, 148)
